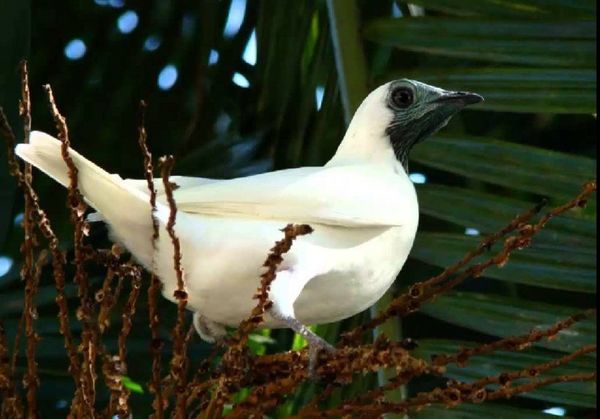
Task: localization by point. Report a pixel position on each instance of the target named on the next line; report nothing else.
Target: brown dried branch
(14, 170)
(291, 232)
(31, 380)
(233, 365)
(148, 168)
(77, 209)
(25, 104)
(449, 397)
(31, 278)
(17, 345)
(511, 343)
(476, 391)
(533, 385)
(113, 370)
(276, 376)
(456, 393)
(106, 297)
(58, 256)
(424, 291)
(122, 396)
(155, 285)
(271, 368)
(179, 361)
(506, 378)
(9, 136)
(11, 405)
(202, 381)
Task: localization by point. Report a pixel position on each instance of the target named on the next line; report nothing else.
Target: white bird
(361, 204)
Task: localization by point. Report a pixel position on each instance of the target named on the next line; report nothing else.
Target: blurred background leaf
(238, 87)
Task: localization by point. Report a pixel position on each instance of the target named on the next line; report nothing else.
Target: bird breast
(364, 273)
(223, 257)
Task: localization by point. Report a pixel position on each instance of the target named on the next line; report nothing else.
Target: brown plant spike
(31, 278)
(11, 405)
(58, 257)
(234, 357)
(154, 288)
(179, 361)
(511, 343)
(77, 208)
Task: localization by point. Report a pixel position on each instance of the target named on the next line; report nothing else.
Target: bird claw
(315, 345)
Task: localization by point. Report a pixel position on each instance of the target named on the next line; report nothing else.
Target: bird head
(398, 115)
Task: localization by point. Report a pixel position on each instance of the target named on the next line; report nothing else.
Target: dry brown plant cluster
(182, 393)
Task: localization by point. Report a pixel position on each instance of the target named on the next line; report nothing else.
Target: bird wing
(351, 196)
(177, 182)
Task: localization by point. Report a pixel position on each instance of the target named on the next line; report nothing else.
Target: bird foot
(316, 344)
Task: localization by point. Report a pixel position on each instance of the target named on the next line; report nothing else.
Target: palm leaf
(563, 43)
(511, 8)
(501, 316)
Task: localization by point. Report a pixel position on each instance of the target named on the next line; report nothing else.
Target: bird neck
(366, 141)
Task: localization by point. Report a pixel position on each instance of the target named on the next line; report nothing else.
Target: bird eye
(402, 97)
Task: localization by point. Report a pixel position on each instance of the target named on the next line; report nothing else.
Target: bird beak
(459, 99)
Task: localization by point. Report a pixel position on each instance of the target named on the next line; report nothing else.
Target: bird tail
(126, 209)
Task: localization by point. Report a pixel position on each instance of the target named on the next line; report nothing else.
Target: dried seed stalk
(154, 288)
(77, 209)
(58, 257)
(179, 360)
(511, 343)
(31, 379)
(11, 405)
(233, 364)
(29, 274)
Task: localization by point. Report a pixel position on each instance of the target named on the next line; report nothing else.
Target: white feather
(361, 204)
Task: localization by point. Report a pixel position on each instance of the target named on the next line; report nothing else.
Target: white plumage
(361, 205)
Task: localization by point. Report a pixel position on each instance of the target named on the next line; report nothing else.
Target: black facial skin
(419, 111)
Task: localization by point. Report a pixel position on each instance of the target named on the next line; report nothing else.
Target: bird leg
(285, 289)
(315, 342)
